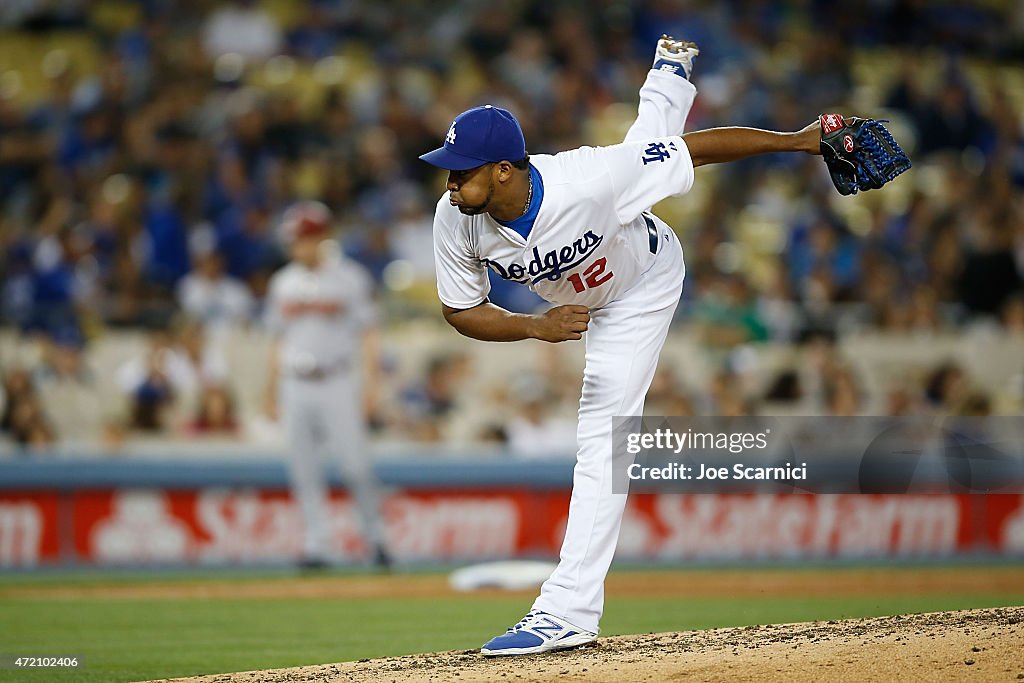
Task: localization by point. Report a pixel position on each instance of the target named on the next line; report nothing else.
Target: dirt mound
(983, 645)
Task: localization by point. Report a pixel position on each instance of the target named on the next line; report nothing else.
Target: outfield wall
(169, 512)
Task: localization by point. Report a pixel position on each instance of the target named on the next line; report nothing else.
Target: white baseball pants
(623, 343)
(323, 420)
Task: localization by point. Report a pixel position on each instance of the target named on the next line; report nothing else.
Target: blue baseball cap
(479, 136)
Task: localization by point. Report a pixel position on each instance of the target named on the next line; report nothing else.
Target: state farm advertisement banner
(217, 526)
(28, 529)
(240, 526)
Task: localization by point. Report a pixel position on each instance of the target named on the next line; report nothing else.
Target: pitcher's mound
(982, 645)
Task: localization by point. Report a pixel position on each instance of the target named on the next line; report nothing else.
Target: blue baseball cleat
(675, 56)
(537, 632)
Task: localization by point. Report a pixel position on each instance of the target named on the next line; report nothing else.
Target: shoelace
(522, 622)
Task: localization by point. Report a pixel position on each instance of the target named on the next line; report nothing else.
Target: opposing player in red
(320, 307)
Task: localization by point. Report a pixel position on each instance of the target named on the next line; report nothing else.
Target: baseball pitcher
(576, 228)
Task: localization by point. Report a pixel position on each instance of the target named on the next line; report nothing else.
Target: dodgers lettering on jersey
(319, 314)
(551, 265)
(590, 241)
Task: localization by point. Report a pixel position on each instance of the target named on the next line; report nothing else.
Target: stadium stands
(134, 143)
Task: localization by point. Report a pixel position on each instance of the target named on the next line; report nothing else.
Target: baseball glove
(860, 154)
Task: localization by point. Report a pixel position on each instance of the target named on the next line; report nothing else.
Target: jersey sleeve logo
(658, 151)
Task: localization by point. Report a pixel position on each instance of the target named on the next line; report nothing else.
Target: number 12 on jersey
(592, 277)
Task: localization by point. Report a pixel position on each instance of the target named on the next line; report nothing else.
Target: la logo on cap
(477, 136)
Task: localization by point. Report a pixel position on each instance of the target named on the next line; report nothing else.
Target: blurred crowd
(148, 149)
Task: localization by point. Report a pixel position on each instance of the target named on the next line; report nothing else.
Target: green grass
(126, 639)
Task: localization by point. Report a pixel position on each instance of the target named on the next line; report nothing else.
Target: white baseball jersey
(319, 314)
(591, 240)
